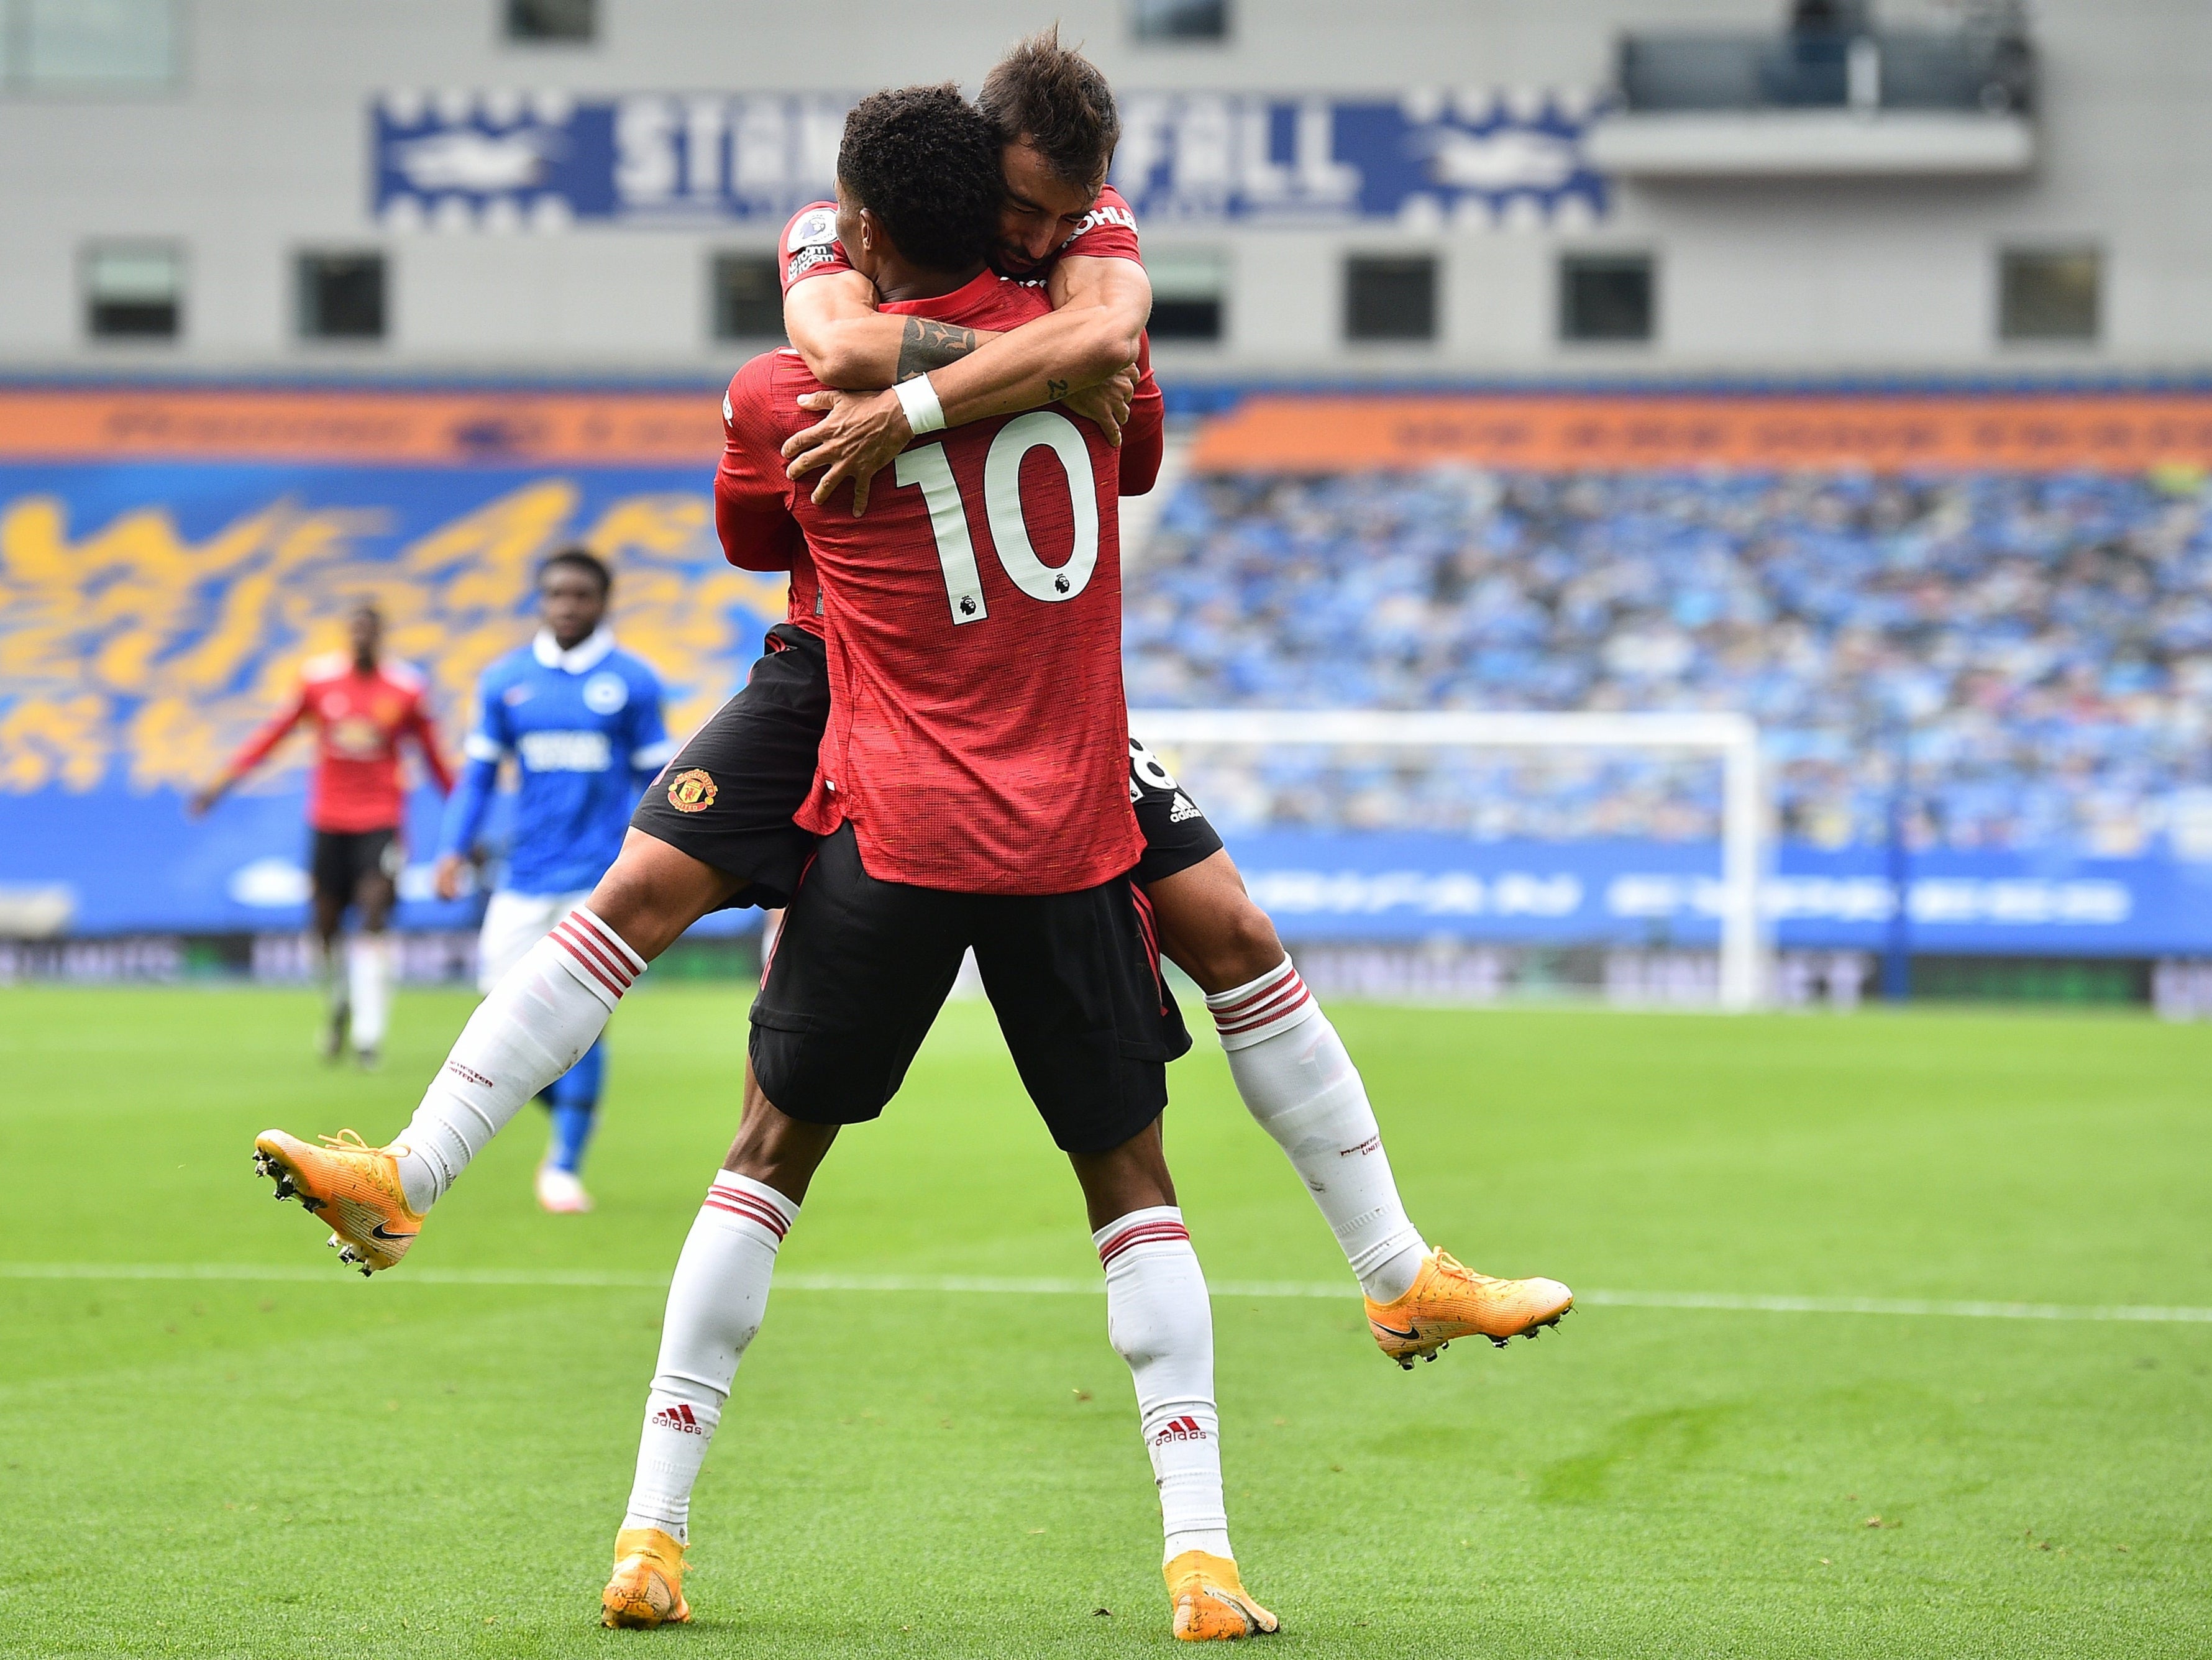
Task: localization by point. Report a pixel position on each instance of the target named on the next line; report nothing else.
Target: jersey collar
(961, 300)
(583, 655)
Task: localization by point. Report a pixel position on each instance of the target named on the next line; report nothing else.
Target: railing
(1987, 71)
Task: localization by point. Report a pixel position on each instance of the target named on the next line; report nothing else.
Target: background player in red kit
(361, 705)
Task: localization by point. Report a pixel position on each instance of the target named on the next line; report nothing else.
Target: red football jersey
(978, 735)
(359, 720)
(809, 246)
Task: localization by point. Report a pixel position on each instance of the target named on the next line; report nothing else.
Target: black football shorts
(337, 859)
(727, 796)
(1177, 835)
(862, 967)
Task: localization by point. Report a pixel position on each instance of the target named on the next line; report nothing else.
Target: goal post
(1746, 936)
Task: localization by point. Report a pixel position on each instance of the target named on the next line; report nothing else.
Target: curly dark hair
(1054, 97)
(927, 165)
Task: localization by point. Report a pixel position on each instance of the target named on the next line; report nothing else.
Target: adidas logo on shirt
(1184, 808)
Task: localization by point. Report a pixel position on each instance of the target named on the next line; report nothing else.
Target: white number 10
(1002, 507)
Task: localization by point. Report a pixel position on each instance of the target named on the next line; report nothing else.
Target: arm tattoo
(1054, 390)
(928, 345)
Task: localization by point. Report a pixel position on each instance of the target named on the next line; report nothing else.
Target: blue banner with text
(1424, 161)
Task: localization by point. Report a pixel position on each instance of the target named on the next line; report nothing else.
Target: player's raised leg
(513, 924)
(543, 1015)
(716, 827)
(1299, 1084)
(715, 1303)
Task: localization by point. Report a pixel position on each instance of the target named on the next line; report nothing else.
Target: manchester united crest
(692, 791)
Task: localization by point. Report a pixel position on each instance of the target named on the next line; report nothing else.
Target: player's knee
(1234, 944)
(652, 893)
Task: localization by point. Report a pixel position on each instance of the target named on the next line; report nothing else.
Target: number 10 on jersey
(929, 467)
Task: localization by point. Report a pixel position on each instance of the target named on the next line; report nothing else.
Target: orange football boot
(349, 1184)
(1210, 1603)
(646, 1588)
(1447, 1301)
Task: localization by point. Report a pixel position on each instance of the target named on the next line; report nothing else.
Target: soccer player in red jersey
(723, 834)
(971, 792)
(1064, 227)
(361, 705)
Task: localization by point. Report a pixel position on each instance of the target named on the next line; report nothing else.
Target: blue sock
(574, 1100)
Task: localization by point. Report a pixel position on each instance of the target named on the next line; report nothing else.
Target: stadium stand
(2047, 639)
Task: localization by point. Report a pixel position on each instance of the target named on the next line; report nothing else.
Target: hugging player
(1056, 127)
(970, 793)
(1290, 1066)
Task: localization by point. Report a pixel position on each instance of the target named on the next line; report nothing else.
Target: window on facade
(1189, 293)
(341, 297)
(1390, 297)
(1179, 20)
(569, 20)
(133, 291)
(2049, 294)
(1607, 296)
(105, 44)
(748, 299)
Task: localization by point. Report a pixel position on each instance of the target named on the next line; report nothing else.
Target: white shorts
(512, 923)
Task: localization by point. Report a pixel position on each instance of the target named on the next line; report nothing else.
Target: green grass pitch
(325, 1466)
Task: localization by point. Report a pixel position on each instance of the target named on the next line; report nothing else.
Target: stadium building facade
(1449, 186)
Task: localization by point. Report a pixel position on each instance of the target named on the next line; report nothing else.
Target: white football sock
(368, 976)
(715, 1306)
(1160, 1322)
(323, 966)
(1298, 1082)
(544, 1014)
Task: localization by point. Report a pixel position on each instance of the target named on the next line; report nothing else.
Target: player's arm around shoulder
(831, 317)
(1079, 354)
(1111, 296)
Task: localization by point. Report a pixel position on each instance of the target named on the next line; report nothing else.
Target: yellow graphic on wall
(131, 652)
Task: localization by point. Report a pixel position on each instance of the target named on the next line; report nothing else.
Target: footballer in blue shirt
(582, 720)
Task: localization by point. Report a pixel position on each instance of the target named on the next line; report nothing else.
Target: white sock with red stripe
(544, 1014)
(715, 1306)
(1298, 1082)
(1160, 1322)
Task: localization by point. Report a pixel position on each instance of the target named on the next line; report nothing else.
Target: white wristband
(919, 399)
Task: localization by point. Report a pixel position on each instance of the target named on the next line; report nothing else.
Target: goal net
(1543, 829)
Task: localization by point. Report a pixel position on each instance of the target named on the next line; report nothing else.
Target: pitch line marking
(601, 1279)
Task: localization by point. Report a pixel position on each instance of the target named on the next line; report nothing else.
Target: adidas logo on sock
(678, 1418)
(1184, 808)
(1180, 1429)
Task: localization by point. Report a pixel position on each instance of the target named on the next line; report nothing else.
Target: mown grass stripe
(592, 1278)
